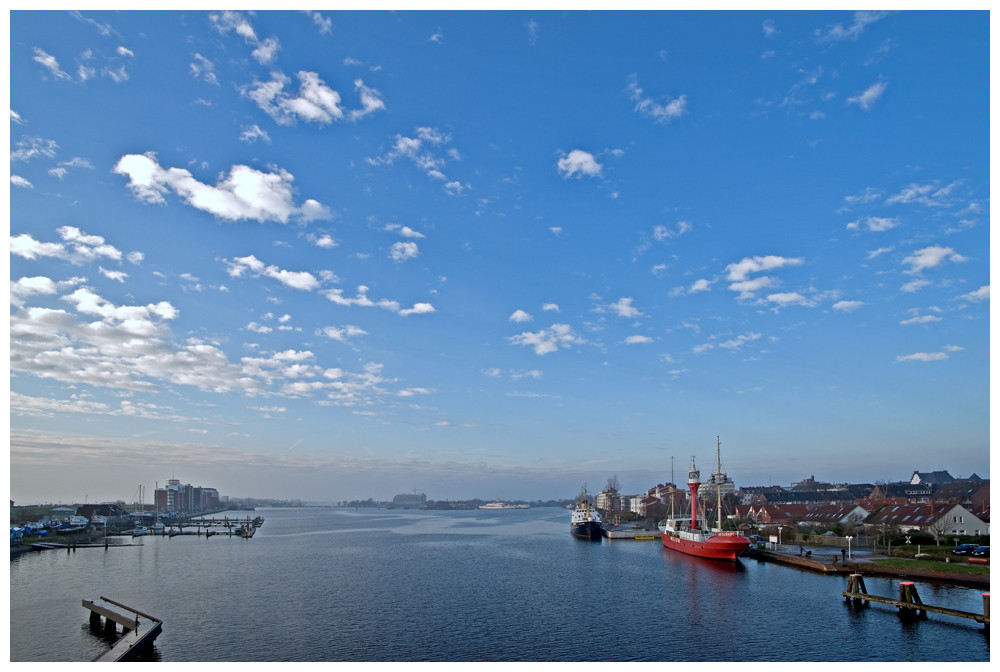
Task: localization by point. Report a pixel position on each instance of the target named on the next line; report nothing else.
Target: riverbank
(875, 565)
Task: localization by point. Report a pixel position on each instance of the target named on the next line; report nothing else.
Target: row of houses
(931, 502)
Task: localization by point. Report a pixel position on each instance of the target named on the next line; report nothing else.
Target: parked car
(964, 549)
(982, 552)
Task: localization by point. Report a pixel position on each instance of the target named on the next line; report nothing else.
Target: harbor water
(333, 584)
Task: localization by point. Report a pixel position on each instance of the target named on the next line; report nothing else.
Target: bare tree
(939, 528)
(613, 484)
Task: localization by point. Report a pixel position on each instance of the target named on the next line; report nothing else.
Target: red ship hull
(718, 547)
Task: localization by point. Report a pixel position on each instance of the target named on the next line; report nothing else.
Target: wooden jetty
(138, 629)
(638, 534)
(909, 603)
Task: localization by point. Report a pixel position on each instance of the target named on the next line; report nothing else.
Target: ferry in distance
(497, 505)
(688, 536)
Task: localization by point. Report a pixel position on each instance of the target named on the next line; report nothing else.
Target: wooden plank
(918, 606)
(121, 619)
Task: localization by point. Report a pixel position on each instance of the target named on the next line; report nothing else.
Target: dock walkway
(138, 629)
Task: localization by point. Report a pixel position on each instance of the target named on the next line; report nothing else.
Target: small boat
(693, 537)
(585, 522)
(157, 528)
(140, 531)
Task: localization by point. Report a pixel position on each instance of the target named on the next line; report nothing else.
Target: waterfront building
(834, 514)
(608, 500)
(177, 497)
(953, 520)
(414, 500)
(931, 478)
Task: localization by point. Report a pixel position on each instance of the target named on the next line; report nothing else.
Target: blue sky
(344, 255)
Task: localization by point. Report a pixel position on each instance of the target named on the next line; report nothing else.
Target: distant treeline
(455, 504)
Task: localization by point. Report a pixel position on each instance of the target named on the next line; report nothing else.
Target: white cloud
(740, 341)
(371, 101)
(647, 107)
(401, 251)
(422, 152)
(19, 181)
(32, 148)
(929, 257)
(783, 299)
(404, 231)
(118, 276)
(551, 306)
(874, 224)
(50, 63)
(848, 306)
(520, 316)
(914, 285)
(344, 333)
(837, 32)
(632, 340)
(254, 267)
(77, 247)
(742, 269)
(662, 233)
(418, 309)
(24, 288)
(264, 50)
(323, 24)
(623, 308)
(245, 193)
(867, 98)
(315, 102)
(981, 294)
(325, 241)
(768, 28)
(548, 340)
(254, 133)
(923, 357)
(579, 163)
(921, 319)
(362, 299)
(880, 251)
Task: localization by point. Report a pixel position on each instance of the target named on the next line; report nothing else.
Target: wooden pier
(909, 603)
(138, 630)
(638, 534)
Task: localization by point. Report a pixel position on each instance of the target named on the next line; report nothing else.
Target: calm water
(345, 585)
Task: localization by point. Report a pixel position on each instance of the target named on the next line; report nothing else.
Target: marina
(410, 585)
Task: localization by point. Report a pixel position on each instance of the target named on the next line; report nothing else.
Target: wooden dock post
(855, 588)
(910, 603)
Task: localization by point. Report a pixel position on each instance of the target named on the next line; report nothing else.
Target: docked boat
(585, 522)
(497, 505)
(693, 536)
(139, 531)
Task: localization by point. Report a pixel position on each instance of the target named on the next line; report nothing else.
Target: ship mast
(718, 481)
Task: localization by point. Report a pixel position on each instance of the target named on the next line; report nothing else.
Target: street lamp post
(779, 535)
(849, 547)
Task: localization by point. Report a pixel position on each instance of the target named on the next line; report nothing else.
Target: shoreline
(871, 568)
